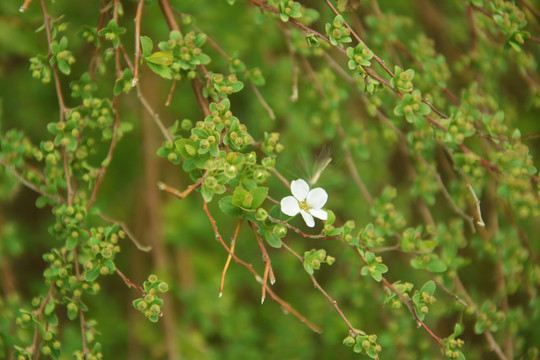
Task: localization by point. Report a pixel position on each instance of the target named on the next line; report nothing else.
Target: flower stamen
(303, 205)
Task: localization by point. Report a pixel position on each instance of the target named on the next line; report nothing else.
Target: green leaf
(429, 287)
(226, 205)
(331, 217)
(161, 70)
(160, 58)
(64, 67)
(259, 195)
(239, 196)
(436, 266)
(199, 40)
(272, 239)
(92, 274)
(146, 45)
(71, 243)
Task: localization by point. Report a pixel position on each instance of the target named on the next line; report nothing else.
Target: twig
(487, 334)
(407, 303)
(29, 185)
(268, 271)
(128, 233)
(447, 290)
(46, 20)
(229, 257)
(326, 295)
(197, 86)
(25, 5)
(377, 59)
(354, 171)
(447, 195)
(137, 60)
(280, 177)
(155, 116)
(169, 16)
(273, 295)
(129, 283)
(262, 101)
(35, 353)
(181, 195)
(300, 232)
(108, 158)
(171, 92)
(294, 65)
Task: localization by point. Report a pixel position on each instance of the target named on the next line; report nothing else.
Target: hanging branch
(269, 290)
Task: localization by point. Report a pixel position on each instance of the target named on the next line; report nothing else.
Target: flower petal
(289, 206)
(316, 198)
(299, 189)
(319, 213)
(308, 218)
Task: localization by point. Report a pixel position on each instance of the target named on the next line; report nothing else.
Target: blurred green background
(196, 322)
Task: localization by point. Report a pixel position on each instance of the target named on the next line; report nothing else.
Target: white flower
(306, 202)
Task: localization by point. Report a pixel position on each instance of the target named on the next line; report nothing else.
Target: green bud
(349, 341)
(186, 124)
(330, 260)
(268, 162)
(155, 309)
(280, 231)
(261, 214)
(163, 287)
(142, 305)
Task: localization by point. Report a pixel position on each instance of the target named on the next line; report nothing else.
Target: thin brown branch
(181, 195)
(47, 23)
(197, 86)
(229, 257)
(167, 11)
(29, 185)
(280, 177)
(326, 295)
(35, 352)
(272, 294)
(487, 334)
(300, 232)
(138, 55)
(294, 65)
(129, 283)
(124, 227)
(25, 5)
(377, 59)
(351, 165)
(171, 92)
(105, 163)
(268, 271)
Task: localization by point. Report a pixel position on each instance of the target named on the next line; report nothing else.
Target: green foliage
(431, 166)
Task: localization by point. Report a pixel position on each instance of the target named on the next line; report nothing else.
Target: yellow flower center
(303, 206)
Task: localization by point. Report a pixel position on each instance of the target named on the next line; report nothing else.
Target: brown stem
(268, 271)
(326, 295)
(181, 195)
(272, 294)
(377, 59)
(35, 352)
(129, 283)
(167, 11)
(171, 92)
(109, 156)
(47, 20)
(137, 60)
(25, 5)
(229, 257)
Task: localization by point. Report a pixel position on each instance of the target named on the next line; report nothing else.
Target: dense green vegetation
(149, 150)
